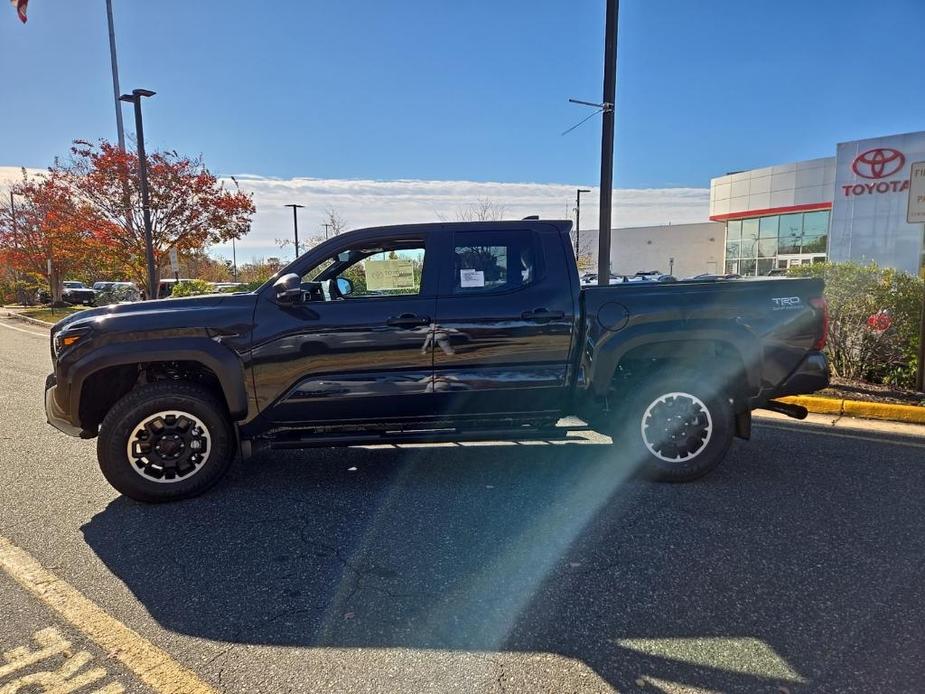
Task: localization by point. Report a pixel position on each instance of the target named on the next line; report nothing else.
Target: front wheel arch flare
(224, 363)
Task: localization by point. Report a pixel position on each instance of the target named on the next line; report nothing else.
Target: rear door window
(490, 262)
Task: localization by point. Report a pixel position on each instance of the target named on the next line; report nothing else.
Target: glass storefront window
(767, 248)
(816, 223)
(815, 244)
(749, 229)
(791, 231)
(767, 227)
(753, 246)
(733, 230)
(815, 231)
(749, 248)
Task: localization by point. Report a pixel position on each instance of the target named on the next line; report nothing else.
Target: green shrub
(191, 288)
(856, 292)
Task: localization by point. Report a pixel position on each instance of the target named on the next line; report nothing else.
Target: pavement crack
(223, 652)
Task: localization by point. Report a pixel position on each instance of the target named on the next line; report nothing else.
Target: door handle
(408, 320)
(542, 314)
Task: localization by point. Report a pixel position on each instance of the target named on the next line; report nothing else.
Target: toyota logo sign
(879, 162)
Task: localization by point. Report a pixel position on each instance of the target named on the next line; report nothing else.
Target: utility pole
(578, 193)
(120, 129)
(234, 259)
(610, 92)
(295, 224)
(135, 99)
(326, 227)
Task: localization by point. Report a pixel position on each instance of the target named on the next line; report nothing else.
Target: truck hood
(160, 310)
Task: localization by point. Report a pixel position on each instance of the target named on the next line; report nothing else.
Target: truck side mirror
(288, 289)
(344, 286)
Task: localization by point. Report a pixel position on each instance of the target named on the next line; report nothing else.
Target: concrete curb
(27, 319)
(913, 414)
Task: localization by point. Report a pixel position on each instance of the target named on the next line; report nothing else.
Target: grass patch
(51, 315)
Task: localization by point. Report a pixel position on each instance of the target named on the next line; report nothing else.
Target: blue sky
(467, 90)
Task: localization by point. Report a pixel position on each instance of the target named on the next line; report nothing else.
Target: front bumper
(53, 412)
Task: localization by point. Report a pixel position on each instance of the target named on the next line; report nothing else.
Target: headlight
(64, 338)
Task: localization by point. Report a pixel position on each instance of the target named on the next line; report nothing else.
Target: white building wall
(696, 248)
(784, 186)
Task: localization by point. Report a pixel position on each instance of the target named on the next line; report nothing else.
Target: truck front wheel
(165, 441)
(675, 428)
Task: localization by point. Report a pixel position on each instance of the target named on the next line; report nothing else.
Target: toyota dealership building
(848, 207)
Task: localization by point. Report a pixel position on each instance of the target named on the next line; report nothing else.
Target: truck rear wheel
(165, 441)
(676, 428)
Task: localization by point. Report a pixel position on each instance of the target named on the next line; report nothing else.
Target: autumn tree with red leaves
(190, 208)
(55, 236)
(84, 215)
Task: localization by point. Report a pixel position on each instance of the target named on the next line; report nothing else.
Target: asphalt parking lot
(798, 566)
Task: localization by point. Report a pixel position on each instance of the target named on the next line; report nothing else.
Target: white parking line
(21, 330)
(149, 663)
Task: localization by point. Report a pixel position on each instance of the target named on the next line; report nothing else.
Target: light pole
(295, 224)
(610, 92)
(135, 99)
(234, 260)
(326, 227)
(578, 193)
(120, 129)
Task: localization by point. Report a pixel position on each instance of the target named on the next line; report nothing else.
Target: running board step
(423, 436)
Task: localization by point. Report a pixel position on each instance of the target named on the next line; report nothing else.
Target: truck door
(355, 349)
(505, 321)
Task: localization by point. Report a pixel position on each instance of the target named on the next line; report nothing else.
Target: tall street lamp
(295, 224)
(135, 98)
(578, 193)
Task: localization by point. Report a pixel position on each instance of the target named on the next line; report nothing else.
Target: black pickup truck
(428, 333)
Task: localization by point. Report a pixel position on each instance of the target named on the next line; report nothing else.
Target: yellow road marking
(149, 663)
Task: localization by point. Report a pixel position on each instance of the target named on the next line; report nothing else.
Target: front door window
(368, 272)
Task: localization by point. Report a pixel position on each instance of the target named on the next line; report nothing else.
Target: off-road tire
(136, 407)
(690, 443)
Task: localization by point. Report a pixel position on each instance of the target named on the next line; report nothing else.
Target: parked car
(73, 292)
(459, 332)
(709, 276)
(226, 287)
(166, 285)
(116, 292)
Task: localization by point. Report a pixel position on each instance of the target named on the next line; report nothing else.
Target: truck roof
(564, 226)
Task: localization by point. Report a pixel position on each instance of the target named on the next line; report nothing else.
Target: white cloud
(372, 203)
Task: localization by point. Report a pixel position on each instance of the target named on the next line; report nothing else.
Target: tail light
(822, 305)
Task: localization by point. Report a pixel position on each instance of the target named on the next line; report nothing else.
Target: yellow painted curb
(913, 414)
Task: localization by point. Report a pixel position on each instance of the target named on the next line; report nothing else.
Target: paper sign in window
(389, 274)
(471, 278)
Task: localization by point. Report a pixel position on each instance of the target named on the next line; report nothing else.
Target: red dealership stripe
(772, 210)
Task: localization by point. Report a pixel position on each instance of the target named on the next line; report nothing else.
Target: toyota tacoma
(432, 333)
